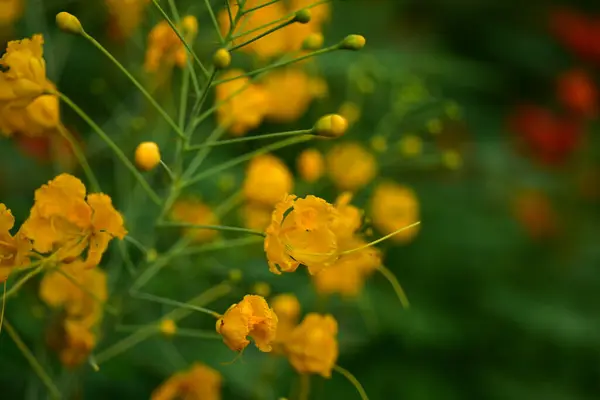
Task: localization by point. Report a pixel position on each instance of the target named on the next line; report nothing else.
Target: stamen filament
(170, 302)
(222, 228)
(395, 284)
(386, 237)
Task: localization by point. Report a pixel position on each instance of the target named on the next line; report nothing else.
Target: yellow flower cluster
(25, 106)
(199, 382)
(165, 49)
(14, 250)
(80, 293)
(125, 17)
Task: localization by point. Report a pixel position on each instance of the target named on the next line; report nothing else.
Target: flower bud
(331, 125)
(168, 327)
(302, 16)
(222, 59)
(69, 23)
(353, 42)
(314, 41)
(147, 156)
(189, 24)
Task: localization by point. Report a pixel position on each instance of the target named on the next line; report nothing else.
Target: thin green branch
(391, 278)
(229, 14)
(151, 193)
(221, 228)
(352, 379)
(170, 302)
(33, 362)
(137, 84)
(203, 153)
(250, 138)
(89, 173)
(268, 3)
(214, 21)
(262, 35)
(225, 244)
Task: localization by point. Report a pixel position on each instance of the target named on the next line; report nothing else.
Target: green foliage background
(493, 316)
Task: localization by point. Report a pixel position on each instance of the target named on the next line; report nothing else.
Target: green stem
(352, 379)
(229, 14)
(245, 157)
(14, 288)
(151, 193)
(80, 157)
(158, 264)
(268, 3)
(136, 243)
(250, 138)
(200, 102)
(170, 302)
(33, 362)
(221, 228)
(279, 64)
(391, 278)
(304, 392)
(183, 332)
(262, 35)
(214, 21)
(183, 41)
(137, 84)
(203, 153)
(226, 244)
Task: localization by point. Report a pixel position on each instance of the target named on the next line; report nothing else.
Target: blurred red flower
(577, 92)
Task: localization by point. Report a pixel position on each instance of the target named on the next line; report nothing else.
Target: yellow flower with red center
(125, 17)
(24, 108)
(350, 166)
(302, 231)
(312, 347)
(267, 180)
(241, 105)
(199, 382)
(14, 250)
(194, 211)
(394, 206)
(165, 49)
(65, 221)
(311, 165)
(252, 318)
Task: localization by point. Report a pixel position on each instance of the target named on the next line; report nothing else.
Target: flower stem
(395, 284)
(304, 392)
(254, 39)
(221, 228)
(183, 332)
(225, 244)
(203, 153)
(268, 3)
(170, 302)
(80, 157)
(214, 21)
(352, 379)
(250, 138)
(33, 362)
(15, 288)
(137, 84)
(151, 193)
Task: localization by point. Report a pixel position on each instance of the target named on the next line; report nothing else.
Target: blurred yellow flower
(199, 382)
(167, 327)
(241, 105)
(262, 289)
(350, 111)
(256, 216)
(289, 94)
(311, 165)
(267, 180)
(312, 347)
(349, 217)
(125, 17)
(14, 250)
(379, 143)
(10, 11)
(24, 108)
(410, 145)
(394, 206)
(350, 166)
(62, 220)
(250, 317)
(78, 342)
(193, 211)
(164, 46)
(301, 232)
(287, 308)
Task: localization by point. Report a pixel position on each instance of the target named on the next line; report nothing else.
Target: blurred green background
(495, 313)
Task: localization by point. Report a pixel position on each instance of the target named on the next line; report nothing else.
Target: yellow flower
(23, 106)
(349, 217)
(311, 165)
(267, 180)
(289, 94)
(164, 46)
(14, 250)
(58, 290)
(10, 11)
(347, 275)
(312, 347)
(78, 342)
(194, 211)
(256, 216)
(125, 16)
(200, 382)
(250, 317)
(243, 104)
(301, 232)
(287, 309)
(394, 206)
(62, 220)
(350, 166)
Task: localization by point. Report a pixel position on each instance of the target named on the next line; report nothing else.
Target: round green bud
(69, 23)
(222, 59)
(331, 126)
(302, 16)
(353, 42)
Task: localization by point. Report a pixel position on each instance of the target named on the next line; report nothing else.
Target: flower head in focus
(194, 211)
(199, 382)
(312, 347)
(301, 232)
(350, 166)
(394, 206)
(251, 317)
(14, 250)
(65, 221)
(242, 104)
(24, 106)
